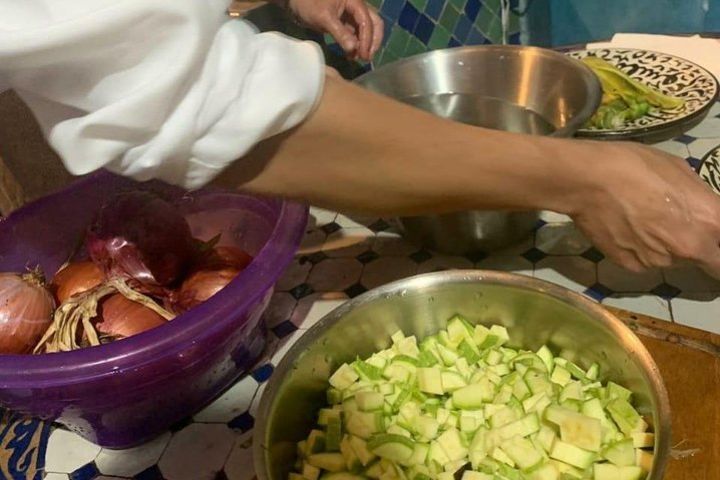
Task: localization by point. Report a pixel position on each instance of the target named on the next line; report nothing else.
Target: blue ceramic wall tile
(424, 29)
(434, 8)
(408, 17)
(462, 28)
(472, 9)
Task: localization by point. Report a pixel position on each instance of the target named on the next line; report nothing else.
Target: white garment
(166, 89)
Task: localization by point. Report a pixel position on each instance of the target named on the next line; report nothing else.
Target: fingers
(377, 33)
(360, 13)
(342, 34)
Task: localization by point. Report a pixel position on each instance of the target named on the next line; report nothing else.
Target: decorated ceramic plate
(709, 169)
(667, 74)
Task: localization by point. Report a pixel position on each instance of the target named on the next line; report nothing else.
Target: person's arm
(361, 151)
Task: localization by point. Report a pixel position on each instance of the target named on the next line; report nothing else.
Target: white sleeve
(165, 89)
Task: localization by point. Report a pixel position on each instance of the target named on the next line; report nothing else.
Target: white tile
(312, 242)
(644, 304)
(335, 274)
(444, 262)
(103, 477)
(708, 128)
(714, 110)
(561, 239)
(285, 345)
(517, 248)
(56, 476)
(575, 273)
(348, 242)
(672, 147)
(392, 243)
(349, 220)
(690, 278)
(279, 309)
(294, 275)
(313, 307)
(387, 269)
(699, 310)
(197, 452)
(239, 465)
(320, 216)
(67, 451)
(553, 217)
(231, 404)
(126, 463)
(618, 279)
(504, 263)
(699, 148)
(257, 400)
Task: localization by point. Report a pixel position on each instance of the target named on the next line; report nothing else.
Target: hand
(650, 210)
(354, 25)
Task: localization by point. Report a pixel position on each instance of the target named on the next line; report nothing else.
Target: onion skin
(201, 285)
(75, 278)
(121, 317)
(141, 237)
(224, 257)
(26, 309)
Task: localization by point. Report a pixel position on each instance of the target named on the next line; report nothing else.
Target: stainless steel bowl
(504, 87)
(535, 313)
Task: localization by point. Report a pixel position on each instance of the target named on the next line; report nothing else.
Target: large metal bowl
(534, 311)
(504, 87)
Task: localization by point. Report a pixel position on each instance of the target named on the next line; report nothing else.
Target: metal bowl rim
(594, 89)
(630, 343)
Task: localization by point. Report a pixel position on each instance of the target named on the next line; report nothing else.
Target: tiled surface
(216, 444)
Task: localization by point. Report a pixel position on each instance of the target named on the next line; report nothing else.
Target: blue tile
(243, 422)
(476, 38)
(454, 42)
(424, 29)
(514, 38)
(534, 255)
(686, 139)
(462, 28)
(283, 329)
(434, 8)
(336, 49)
(694, 162)
(408, 17)
(391, 9)
(86, 472)
(262, 374)
(472, 8)
(150, 473)
(301, 291)
(387, 27)
(598, 292)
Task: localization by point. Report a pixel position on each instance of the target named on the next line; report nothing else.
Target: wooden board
(689, 361)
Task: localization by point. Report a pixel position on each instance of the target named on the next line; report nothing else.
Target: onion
(142, 238)
(76, 278)
(121, 317)
(26, 309)
(201, 285)
(223, 257)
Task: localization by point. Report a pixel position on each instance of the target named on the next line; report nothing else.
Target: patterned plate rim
(713, 151)
(642, 131)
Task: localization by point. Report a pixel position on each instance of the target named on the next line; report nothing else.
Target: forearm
(361, 151)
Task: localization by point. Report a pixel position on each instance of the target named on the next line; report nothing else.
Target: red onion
(143, 238)
(26, 309)
(201, 285)
(76, 278)
(121, 317)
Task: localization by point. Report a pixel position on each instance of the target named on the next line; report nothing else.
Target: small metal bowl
(535, 313)
(503, 87)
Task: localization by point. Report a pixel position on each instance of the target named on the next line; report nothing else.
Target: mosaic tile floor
(342, 257)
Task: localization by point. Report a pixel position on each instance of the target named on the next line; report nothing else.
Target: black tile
(476, 256)
(331, 227)
(181, 424)
(666, 291)
(283, 329)
(317, 257)
(355, 290)
(598, 292)
(379, 226)
(86, 472)
(151, 473)
(408, 17)
(534, 255)
(367, 257)
(221, 476)
(686, 139)
(593, 254)
(420, 256)
(472, 9)
(301, 291)
(694, 162)
(243, 422)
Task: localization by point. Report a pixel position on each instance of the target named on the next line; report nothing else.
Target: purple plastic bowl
(124, 393)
